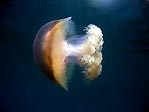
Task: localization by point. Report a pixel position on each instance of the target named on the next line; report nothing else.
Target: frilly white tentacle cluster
(93, 30)
(95, 34)
(93, 61)
(89, 52)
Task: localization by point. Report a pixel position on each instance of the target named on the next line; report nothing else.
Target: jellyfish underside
(56, 45)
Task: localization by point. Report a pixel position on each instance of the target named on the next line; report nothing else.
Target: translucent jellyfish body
(56, 45)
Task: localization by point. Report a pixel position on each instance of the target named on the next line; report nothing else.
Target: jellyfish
(56, 45)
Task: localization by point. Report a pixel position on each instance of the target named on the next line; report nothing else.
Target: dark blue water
(124, 83)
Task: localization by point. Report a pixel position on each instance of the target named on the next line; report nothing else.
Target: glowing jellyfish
(56, 45)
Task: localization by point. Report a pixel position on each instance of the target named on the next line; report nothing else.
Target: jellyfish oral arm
(91, 44)
(88, 53)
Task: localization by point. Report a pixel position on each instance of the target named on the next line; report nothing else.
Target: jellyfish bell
(56, 45)
(48, 50)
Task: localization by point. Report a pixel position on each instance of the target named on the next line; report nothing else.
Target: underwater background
(123, 85)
